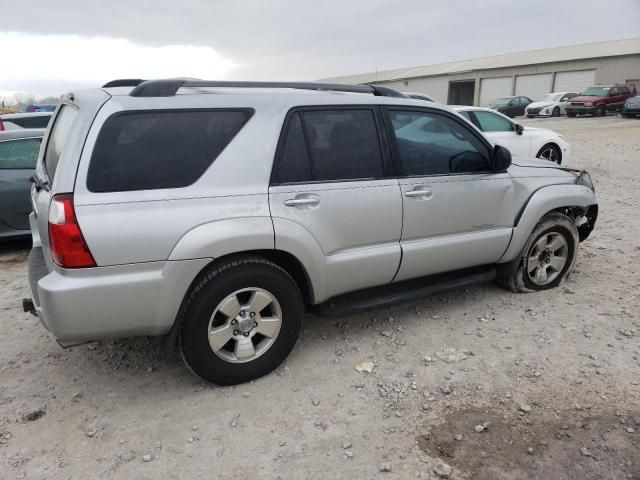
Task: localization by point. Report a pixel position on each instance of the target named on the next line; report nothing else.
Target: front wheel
(550, 152)
(600, 111)
(240, 321)
(547, 258)
(555, 112)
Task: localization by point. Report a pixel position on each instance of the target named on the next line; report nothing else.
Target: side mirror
(500, 159)
(519, 129)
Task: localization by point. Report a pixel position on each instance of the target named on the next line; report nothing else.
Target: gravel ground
(481, 383)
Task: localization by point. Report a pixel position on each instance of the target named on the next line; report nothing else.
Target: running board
(394, 293)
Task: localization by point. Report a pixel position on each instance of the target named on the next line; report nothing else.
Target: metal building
(532, 73)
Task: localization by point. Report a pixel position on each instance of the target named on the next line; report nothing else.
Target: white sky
(48, 48)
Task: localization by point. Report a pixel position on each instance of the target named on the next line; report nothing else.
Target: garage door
(574, 81)
(533, 86)
(492, 88)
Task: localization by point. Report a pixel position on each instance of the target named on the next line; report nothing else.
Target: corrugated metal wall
(608, 70)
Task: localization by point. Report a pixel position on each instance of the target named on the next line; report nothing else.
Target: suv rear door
(457, 212)
(329, 187)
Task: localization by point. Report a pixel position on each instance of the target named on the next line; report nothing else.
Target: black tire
(572, 114)
(514, 276)
(530, 116)
(206, 295)
(555, 148)
(555, 112)
(600, 111)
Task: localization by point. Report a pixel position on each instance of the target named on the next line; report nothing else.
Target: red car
(600, 99)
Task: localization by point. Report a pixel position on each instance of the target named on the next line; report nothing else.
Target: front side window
(20, 153)
(491, 122)
(434, 144)
(57, 138)
(160, 149)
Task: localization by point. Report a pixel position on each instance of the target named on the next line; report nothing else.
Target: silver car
(214, 213)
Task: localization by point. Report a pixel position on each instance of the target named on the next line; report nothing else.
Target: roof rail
(123, 82)
(169, 87)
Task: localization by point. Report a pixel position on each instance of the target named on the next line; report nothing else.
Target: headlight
(585, 179)
(588, 104)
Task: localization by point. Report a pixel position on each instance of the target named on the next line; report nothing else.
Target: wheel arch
(570, 199)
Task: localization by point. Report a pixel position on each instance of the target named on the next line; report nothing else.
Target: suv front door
(457, 212)
(331, 200)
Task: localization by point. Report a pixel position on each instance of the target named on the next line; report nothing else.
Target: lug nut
(234, 321)
(242, 314)
(236, 332)
(252, 314)
(255, 324)
(246, 334)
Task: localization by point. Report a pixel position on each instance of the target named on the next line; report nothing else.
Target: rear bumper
(110, 302)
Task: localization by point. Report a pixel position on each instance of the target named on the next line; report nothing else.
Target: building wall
(608, 70)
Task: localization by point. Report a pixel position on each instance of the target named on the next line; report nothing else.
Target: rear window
(57, 138)
(19, 154)
(160, 149)
(38, 121)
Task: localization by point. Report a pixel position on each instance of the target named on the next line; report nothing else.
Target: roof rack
(123, 82)
(169, 87)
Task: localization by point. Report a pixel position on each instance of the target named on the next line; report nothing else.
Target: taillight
(1, 126)
(68, 248)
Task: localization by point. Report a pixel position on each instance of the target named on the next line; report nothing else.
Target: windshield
(549, 97)
(596, 92)
(501, 101)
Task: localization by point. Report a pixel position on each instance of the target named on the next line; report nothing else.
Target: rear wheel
(547, 258)
(550, 152)
(240, 321)
(555, 112)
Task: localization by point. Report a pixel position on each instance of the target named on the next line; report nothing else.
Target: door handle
(425, 193)
(301, 202)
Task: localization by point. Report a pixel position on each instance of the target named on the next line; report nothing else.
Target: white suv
(215, 212)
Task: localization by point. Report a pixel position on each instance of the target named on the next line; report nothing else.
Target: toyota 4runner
(214, 212)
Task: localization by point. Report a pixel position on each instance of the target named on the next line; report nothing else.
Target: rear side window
(160, 149)
(37, 121)
(19, 154)
(330, 145)
(57, 138)
(293, 164)
(490, 122)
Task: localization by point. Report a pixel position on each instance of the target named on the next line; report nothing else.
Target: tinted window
(32, 122)
(57, 137)
(19, 153)
(343, 144)
(159, 149)
(433, 144)
(292, 164)
(613, 91)
(490, 122)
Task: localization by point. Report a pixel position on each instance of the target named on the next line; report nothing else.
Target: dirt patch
(531, 446)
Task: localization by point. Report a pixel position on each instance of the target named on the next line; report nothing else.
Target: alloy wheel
(244, 325)
(547, 258)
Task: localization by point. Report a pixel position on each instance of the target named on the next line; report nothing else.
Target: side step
(391, 294)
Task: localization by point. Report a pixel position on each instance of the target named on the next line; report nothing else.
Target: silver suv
(215, 212)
